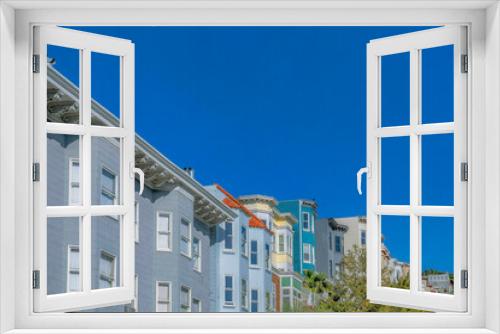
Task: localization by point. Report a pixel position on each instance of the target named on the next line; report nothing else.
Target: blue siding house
(176, 218)
(304, 240)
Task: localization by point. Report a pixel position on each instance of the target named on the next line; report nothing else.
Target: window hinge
(36, 172)
(464, 171)
(465, 64)
(36, 279)
(464, 279)
(36, 63)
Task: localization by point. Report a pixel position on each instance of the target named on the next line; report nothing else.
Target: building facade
(174, 218)
(330, 247)
(304, 240)
(356, 232)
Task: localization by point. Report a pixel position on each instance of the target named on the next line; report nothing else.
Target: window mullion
(86, 171)
(414, 169)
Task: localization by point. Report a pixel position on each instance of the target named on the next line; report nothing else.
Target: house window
(228, 235)
(363, 238)
(108, 187)
(337, 271)
(290, 248)
(255, 300)
(306, 223)
(197, 254)
(228, 290)
(107, 270)
(267, 252)
(254, 253)
(196, 305)
(330, 243)
(74, 181)
(185, 299)
(136, 221)
(244, 294)
(307, 253)
(163, 297)
(163, 231)
(281, 243)
(330, 268)
(73, 268)
(244, 241)
(185, 237)
(338, 244)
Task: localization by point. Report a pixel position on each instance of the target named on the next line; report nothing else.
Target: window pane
(437, 170)
(63, 265)
(106, 231)
(437, 84)
(63, 70)
(437, 254)
(63, 177)
(106, 169)
(395, 171)
(228, 235)
(105, 87)
(395, 251)
(395, 90)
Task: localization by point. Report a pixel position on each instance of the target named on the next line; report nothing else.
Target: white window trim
(71, 247)
(135, 302)
(198, 268)
(114, 259)
(482, 315)
(189, 239)
(304, 252)
(169, 295)
(116, 177)
(244, 301)
(199, 304)
(224, 288)
(70, 183)
(170, 230)
(189, 298)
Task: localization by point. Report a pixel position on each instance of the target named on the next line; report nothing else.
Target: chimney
(189, 171)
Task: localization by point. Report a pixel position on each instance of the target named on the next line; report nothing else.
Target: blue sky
(281, 111)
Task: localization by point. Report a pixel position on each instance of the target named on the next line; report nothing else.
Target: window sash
(185, 299)
(85, 210)
(186, 241)
(163, 296)
(164, 231)
(228, 290)
(228, 236)
(254, 253)
(413, 43)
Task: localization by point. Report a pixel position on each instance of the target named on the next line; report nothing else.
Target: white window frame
(244, 294)
(225, 288)
(415, 210)
(197, 262)
(188, 239)
(86, 43)
(135, 302)
(199, 304)
(482, 314)
(168, 232)
(70, 249)
(254, 265)
(113, 258)
(181, 305)
(169, 301)
(116, 182)
(71, 184)
(230, 223)
(309, 247)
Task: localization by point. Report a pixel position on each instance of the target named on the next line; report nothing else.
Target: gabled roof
(160, 173)
(234, 203)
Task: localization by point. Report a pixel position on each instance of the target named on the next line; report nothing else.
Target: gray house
(330, 247)
(175, 218)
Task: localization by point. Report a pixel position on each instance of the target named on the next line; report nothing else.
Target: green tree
(348, 294)
(316, 283)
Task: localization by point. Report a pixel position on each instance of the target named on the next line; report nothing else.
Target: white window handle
(141, 179)
(364, 170)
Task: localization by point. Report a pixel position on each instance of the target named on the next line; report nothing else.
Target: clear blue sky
(281, 111)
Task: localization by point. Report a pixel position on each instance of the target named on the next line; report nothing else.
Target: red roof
(233, 203)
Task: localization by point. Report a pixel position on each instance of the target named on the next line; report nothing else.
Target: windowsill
(164, 250)
(229, 251)
(187, 255)
(254, 266)
(229, 305)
